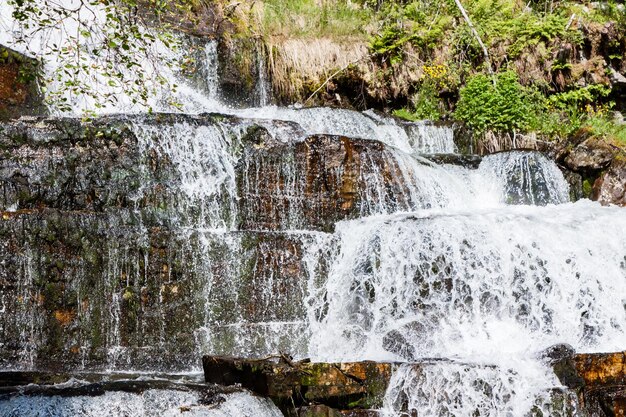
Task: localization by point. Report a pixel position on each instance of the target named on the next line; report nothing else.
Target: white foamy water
(151, 403)
(183, 95)
(476, 284)
(526, 178)
(420, 137)
(454, 389)
(202, 156)
(489, 288)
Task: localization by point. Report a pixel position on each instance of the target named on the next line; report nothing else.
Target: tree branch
(477, 36)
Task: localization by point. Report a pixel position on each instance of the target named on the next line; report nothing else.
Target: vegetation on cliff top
(556, 62)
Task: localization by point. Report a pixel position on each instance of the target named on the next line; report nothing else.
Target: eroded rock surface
(610, 187)
(298, 385)
(114, 254)
(600, 380)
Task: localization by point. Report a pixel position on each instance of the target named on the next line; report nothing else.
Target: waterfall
(205, 168)
(211, 65)
(456, 389)
(263, 87)
(527, 178)
(324, 233)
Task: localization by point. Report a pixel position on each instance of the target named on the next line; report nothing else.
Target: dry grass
(492, 142)
(300, 66)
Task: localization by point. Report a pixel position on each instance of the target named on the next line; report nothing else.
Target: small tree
(97, 50)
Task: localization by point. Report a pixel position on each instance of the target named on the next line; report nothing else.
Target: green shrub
(577, 99)
(505, 106)
(406, 114)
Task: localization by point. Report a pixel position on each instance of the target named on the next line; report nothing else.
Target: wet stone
(342, 386)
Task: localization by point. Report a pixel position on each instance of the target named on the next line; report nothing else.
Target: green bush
(505, 106)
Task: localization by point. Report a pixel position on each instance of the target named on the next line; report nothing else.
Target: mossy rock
(19, 88)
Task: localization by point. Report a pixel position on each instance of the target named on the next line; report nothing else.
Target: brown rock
(317, 182)
(604, 375)
(19, 92)
(594, 154)
(65, 317)
(610, 187)
(343, 386)
(602, 369)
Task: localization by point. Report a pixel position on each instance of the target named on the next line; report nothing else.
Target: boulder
(594, 154)
(610, 187)
(599, 378)
(561, 358)
(594, 167)
(292, 385)
(601, 369)
(604, 374)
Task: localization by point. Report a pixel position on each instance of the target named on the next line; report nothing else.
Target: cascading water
(490, 288)
(465, 275)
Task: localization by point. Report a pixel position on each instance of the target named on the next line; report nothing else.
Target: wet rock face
(68, 165)
(605, 377)
(19, 92)
(89, 290)
(294, 386)
(325, 411)
(239, 71)
(102, 268)
(599, 379)
(315, 183)
(561, 359)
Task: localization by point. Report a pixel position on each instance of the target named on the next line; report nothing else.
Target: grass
(315, 18)
(606, 128)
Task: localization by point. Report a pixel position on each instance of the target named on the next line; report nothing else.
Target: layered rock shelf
(301, 385)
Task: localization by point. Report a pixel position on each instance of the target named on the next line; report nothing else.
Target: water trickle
(211, 65)
(527, 178)
(426, 138)
(203, 157)
(263, 86)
